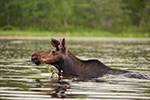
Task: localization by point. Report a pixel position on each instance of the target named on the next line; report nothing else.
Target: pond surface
(20, 79)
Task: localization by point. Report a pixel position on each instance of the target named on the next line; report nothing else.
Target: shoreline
(78, 38)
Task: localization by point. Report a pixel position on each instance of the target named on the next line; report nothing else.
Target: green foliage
(76, 15)
(92, 33)
(7, 27)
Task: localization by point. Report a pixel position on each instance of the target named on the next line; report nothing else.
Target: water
(22, 79)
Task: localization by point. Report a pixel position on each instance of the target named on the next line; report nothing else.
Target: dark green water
(20, 79)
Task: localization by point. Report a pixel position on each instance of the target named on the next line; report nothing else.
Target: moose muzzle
(36, 59)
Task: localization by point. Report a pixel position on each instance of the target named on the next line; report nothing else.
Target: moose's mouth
(37, 63)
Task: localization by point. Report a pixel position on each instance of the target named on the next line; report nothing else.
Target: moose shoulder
(63, 60)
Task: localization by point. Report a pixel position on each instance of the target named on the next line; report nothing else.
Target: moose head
(52, 57)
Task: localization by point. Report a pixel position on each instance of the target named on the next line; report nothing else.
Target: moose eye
(53, 52)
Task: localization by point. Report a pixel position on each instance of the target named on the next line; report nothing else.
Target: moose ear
(55, 43)
(63, 43)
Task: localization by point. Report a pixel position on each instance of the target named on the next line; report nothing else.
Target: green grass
(73, 34)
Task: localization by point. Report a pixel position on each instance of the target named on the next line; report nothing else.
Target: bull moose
(65, 61)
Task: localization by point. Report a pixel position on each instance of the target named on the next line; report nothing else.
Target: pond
(22, 79)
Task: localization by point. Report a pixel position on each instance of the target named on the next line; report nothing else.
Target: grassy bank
(73, 34)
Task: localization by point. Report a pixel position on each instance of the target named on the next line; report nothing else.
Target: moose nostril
(33, 59)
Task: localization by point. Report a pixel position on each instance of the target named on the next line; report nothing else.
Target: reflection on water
(22, 79)
(54, 89)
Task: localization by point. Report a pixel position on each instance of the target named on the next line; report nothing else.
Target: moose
(65, 61)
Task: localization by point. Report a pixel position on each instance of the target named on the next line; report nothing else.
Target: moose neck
(71, 64)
